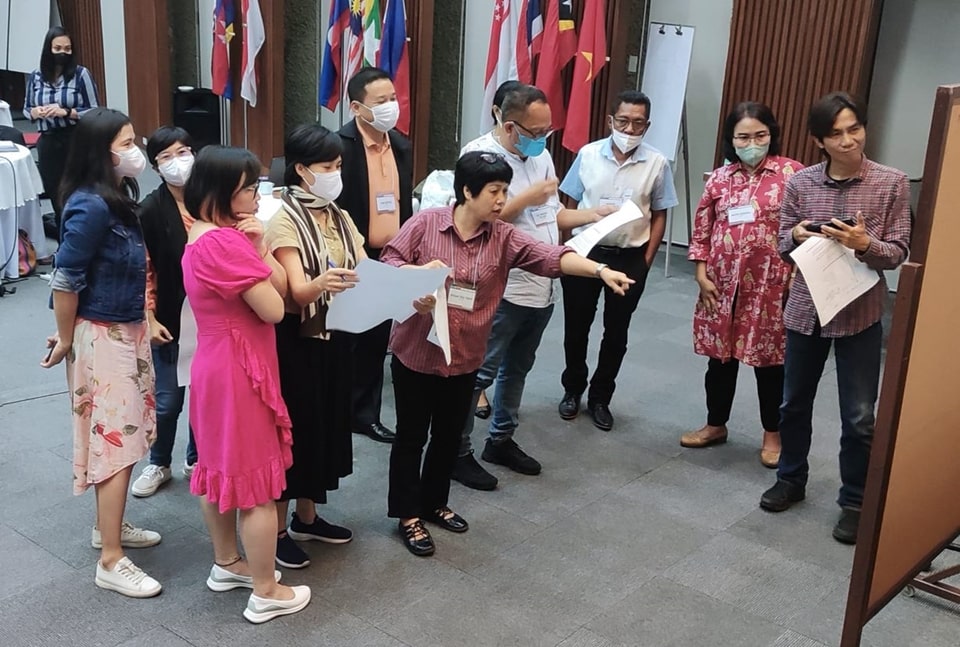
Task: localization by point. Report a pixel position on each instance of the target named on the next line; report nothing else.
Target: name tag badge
(462, 297)
(386, 203)
(544, 214)
(607, 201)
(741, 215)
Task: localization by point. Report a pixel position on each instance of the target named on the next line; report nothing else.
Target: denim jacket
(102, 259)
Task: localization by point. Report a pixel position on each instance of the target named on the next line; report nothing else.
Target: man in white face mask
(610, 172)
(165, 223)
(378, 179)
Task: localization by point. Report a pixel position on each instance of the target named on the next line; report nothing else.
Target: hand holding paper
(583, 242)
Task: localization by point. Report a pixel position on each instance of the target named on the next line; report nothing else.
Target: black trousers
(369, 351)
(425, 403)
(721, 385)
(52, 149)
(580, 298)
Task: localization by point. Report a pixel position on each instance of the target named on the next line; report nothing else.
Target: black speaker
(197, 110)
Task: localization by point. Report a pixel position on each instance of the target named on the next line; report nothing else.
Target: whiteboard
(665, 73)
(23, 24)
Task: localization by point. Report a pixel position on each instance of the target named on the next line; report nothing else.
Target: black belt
(622, 251)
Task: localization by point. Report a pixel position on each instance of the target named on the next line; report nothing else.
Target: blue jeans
(511, 351)
(169, 404)
(858, 378)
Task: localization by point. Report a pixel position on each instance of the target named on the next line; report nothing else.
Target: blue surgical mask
(752, 155)
(530, 146)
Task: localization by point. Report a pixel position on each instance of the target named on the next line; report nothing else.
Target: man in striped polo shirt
(847, 186)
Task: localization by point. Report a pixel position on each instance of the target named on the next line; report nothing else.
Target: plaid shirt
(881, 193)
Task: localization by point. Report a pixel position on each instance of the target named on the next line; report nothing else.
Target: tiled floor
(625, 539)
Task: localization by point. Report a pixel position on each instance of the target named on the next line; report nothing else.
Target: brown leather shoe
(770, 458)
(704, 437)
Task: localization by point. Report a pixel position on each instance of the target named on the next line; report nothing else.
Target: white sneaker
(150, 480)
(223, 580)
(130, 537)
(127, 579)
(188, 469)
(263, 609)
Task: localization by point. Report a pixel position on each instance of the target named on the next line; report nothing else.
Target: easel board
(665, 73)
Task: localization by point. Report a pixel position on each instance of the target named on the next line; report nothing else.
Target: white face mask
(385, 115)
(176, 171)
(625, 142)
(326, 186)
(132, 162)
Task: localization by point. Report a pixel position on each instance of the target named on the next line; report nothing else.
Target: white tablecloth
(20, 185)
(6, 119)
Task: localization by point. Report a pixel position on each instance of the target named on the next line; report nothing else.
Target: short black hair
(824, 113)
(633, 97)
(216, 174)
(516, 101)
(163, 138)
(309, 144)
(750, 110)
(46, 57)
(501, 94)
(476, 170)
(89, 163)
(357, 85)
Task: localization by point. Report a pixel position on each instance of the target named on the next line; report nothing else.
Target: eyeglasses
(530, 133)
(491, 158)
(182, 153)
(755, 137)
(254, 188)
(621, 123)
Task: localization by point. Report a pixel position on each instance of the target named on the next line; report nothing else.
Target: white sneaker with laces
(130, 537)
(223, 580)
(263, 609)
(150, 480)
(127, 579)
(188, 469)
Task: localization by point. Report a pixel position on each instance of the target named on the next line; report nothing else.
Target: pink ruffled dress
(239, 419)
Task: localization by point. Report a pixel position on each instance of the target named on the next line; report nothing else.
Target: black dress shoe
(377, 432)
(416, 538)
(602, 418)
(846, 529)
(447, 519)
(569, 406)
(509, 454)
(469, 472)
(781, 496)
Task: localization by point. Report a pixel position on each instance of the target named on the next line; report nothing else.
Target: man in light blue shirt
(607, 173)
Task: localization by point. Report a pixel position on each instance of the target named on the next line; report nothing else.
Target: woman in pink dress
(742, 279)
(240, 421)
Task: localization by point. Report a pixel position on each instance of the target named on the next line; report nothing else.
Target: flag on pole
(591, 57)
(354, 45)
(529, 38)
(254, 35)
(371, 33)
(559, 46)
(331, 87)
(501, 55)
(223, 32)
(394, 58)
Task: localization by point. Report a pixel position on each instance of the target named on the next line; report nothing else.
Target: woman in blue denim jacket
(98, 286)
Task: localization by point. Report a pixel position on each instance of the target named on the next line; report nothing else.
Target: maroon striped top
(484, 259)
(882, 194)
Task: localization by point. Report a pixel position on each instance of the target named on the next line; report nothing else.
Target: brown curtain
(81, 19)
(787, 53)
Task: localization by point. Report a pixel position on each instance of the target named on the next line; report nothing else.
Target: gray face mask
(752, 155)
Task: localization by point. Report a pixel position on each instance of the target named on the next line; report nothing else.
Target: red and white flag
(254, 35)
(529, 38)
(501, 55)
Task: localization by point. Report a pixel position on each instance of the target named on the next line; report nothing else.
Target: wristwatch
(600, 268)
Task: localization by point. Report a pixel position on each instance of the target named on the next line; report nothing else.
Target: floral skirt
(111, 382)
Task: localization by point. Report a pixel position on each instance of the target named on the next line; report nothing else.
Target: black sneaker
(781, 496)
(508, 453)
(469, 472)
(319, 530)
(289, 554)
(846, 529)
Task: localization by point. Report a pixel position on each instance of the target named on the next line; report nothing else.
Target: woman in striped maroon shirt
(430, 394)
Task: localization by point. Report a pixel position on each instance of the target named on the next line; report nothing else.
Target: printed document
(583, 242)
(833, 274)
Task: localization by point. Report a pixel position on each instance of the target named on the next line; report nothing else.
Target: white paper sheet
(268, 207)
(382, 292)
(439, 334)
(188, 344)
(833, 274)
(583, 242)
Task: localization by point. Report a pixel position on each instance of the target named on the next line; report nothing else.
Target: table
(20, 185)
(6, 119)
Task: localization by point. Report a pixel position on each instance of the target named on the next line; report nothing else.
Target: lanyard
(453, 257)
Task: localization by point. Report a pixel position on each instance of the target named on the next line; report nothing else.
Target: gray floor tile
(587, 638)
(793, 639)
(26, 565)
(158, 637)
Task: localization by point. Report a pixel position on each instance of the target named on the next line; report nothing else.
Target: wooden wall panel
(420, 55)
(149, 89)
(788, 53)
(82, 20)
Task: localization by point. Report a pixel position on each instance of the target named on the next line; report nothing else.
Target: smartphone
(49, 353)
(815, 226)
